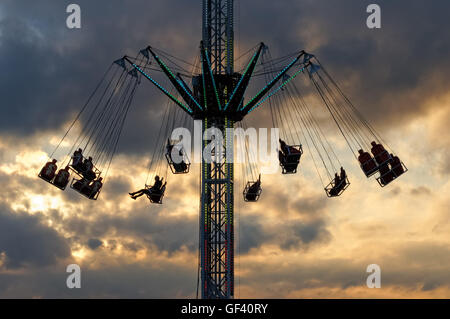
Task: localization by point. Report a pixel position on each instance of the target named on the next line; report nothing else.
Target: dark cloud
(124, 281)
(312, 205)
(251, 234)
(301, 235)
(302, 223)
(255, 232)
(375, 68)
(94, 243)
(26, 241)
(420, 190)
(401, 267)
(117, 186)
(430, 286)
(149, 227)
(51, 70)
(172, 280)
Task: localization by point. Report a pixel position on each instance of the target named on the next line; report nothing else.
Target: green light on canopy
(162, 89)
(240, 81)
(277, 89)
(268, 86)
(161, 63)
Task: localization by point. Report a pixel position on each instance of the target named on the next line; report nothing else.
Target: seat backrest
(155, 198)
(364, 157)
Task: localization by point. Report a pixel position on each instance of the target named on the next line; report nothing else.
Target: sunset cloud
(293, 243)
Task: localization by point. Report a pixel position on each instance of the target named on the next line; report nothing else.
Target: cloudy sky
(295, 242)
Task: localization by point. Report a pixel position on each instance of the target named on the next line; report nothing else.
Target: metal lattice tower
(217, 197)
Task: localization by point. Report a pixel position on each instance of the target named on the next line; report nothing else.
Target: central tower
(217, 196)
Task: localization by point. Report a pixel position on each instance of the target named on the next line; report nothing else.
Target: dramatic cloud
(294, 242)
(26, 241)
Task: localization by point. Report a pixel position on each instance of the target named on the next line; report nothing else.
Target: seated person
(368, 164)
(158, 184)
(155, 189)
(379, 153)
(62, 178)
(49, 170)
(289, 156)
(386, 175)
(157, 194)
(253, 190)
(88, 171)
(337, 179)
(95, 187)
(281, 157)
(284, 147)
(293, 150)
(294, 154)
(289, 163)
(342, 180)
(81, 185)
(396, 165)
(181, 166)
(334, 191)
(169, 147)
(343, 175)
(90, 190)
(77, 160)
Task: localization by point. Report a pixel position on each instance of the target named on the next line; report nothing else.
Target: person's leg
(140, 193)
(137, 192)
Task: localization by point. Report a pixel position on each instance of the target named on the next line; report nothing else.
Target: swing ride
(211, 91)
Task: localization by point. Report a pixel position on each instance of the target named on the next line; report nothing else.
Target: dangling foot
(131, 194)
(133, 197)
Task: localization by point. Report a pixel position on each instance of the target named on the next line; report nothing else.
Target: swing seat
(289, 162)
(380, 154)
(51, 181)
(178, 168)
(382, 158)
(288, 168)
(60, 180)
(251, 193)
(84, 189)
(391, 173)
(55, 180)
(156, 197)
(368, 165)
(371, 165)
(80, 170)
(334, 190)
(47, 178)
